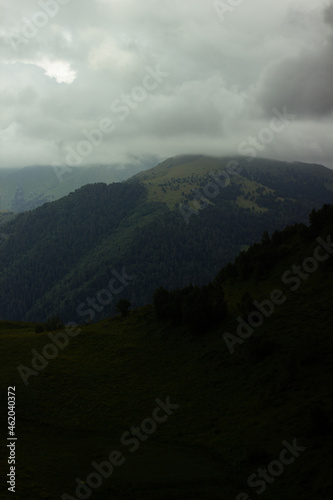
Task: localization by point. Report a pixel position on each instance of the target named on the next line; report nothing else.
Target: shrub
(123, 306)
(246, 305)
(161, 299)
(53, 323)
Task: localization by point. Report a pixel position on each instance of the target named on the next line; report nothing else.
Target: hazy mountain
(57, 258)
(27, 188)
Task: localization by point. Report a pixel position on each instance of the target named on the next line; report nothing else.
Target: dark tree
(161, 300)
(123, 306)
(246, 305)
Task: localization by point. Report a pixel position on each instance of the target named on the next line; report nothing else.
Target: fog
(110, 81)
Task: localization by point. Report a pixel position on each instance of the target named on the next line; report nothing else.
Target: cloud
(302, 81)
(328, 14)
(59, 70)
(224, 78)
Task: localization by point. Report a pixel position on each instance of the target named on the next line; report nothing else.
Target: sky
(120, 81)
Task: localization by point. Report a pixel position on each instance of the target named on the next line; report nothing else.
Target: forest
(57, 255)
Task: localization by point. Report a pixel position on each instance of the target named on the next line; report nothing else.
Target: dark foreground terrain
(237, 404)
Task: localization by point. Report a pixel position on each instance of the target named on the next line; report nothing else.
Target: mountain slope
(27, 188)
(173, 180)
(60, 257)
(235, 410)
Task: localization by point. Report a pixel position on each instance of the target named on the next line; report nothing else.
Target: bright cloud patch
(59, 70)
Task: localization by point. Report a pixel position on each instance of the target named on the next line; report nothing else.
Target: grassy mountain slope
(235, 410)
(173, 180)
(58, 255)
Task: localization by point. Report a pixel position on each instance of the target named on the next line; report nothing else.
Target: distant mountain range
(27, 188)
(175, 224)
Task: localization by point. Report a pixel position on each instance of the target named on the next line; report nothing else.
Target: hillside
(29, 187)
(60, 257)
(236, 410)
(259, 183)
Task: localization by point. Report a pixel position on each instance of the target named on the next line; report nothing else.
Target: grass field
(234, 410)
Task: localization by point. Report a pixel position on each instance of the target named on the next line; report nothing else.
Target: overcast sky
(161, 78)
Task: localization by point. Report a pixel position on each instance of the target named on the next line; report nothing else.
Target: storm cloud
(150, 78)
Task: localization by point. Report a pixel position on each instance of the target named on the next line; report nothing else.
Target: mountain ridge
(30, 187)
(57, 255)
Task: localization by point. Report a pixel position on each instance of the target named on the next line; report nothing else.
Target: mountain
(29, 187)
(174, 225)
(258, 183)
(248, 398)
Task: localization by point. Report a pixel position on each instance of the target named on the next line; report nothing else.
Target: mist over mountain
(29, 187)
(126, 80)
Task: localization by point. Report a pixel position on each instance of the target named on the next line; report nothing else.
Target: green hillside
(235, 409)
(173, 180)
(63, 254)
